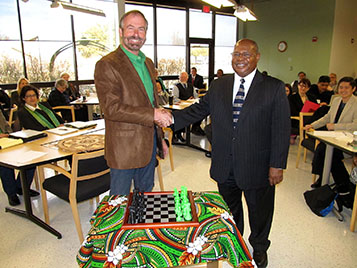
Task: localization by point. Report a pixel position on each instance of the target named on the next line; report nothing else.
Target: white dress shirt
(247, 82)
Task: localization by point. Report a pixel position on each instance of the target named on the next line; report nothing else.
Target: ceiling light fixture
(77, 8)
(245, 14)
(219, 3)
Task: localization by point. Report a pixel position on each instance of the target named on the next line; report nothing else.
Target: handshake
(162, 117)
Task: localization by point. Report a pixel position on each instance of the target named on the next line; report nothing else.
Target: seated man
(11, 186)
(341, 116)
(184, 91)
(320, 91)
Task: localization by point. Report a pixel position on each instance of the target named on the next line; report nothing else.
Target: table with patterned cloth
(216, 238)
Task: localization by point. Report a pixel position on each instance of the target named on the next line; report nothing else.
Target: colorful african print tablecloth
(216, 238)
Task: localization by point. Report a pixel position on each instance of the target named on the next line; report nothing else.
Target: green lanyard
(42, 120)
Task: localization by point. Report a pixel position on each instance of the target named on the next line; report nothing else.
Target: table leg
(354, 213)
(327, 164)
(28, 212)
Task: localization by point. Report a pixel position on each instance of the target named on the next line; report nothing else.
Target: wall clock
(282, 46)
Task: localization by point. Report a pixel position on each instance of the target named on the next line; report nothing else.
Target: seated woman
(341, 116)
(15, 95)
(11, 186)
(35, 115)
(296, 102)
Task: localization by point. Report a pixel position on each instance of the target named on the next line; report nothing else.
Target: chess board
(160, 212)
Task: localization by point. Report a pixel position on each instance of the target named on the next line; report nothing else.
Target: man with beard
(250, 141)
(126, 87)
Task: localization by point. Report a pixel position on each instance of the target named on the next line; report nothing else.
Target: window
(95, 35)
(171, 41)
(200, 24)
(11, 63)
(226, 37)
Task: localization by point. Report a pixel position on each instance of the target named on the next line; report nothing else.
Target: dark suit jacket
(323, 97)
(261, 138)
(29, 122)
(198, 83)
(128, 113)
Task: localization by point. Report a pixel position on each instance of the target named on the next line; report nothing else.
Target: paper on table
(340, 135)
(30, 155)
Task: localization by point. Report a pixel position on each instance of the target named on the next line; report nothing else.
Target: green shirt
(140, 67)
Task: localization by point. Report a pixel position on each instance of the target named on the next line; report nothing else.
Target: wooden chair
(89, 178)
(64, 107)
(170, 133)
(11, 116)
(159, 173)
(303, 136)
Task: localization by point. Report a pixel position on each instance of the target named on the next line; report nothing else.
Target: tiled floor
(299, 238)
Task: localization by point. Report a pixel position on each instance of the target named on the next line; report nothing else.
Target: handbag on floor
(320, 200)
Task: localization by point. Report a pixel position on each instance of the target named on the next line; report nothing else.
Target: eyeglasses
(245, 55)
(31, 96)
(302, 85)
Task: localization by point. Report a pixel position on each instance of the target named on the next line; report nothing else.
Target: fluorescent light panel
(219, 3)
(245, 14)
(78, 8)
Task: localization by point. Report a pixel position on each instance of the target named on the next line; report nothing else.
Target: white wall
(343, 60)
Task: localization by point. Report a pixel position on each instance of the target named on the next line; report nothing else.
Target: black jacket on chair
(261, 138)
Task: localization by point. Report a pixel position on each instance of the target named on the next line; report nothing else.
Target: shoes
(33, 193)
(14, 200)
(317, 183)
(260, 258)
(292, 140)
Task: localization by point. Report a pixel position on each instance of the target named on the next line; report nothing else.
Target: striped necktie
(238, 102)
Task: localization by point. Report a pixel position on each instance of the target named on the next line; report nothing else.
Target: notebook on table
(80, 124)
(62, 130)
(28, 135)
(9, 142)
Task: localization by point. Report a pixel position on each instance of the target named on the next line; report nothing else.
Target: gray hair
(61, 82)
(135, 12)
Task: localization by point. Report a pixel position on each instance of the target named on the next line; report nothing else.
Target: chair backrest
(64, 107)
(302, 123)
(89, 165)
(11, 116)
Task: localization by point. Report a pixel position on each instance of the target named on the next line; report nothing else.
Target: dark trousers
(260, 203)
(9, 183)
(338, 170)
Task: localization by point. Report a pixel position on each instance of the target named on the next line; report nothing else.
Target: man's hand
(165, 148)
(3, 135)
(162, 117)
(330, 126)
(307, 127)
(275, 176)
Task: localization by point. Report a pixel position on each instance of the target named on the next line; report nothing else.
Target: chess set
(150, 210)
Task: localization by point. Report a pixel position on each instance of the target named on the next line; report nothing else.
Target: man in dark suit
(195, 79)
(250, 140)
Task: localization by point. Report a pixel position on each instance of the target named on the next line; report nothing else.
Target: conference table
(180, 106)
(38, 152)
(342, 141)
(215, 238)
(89, 101)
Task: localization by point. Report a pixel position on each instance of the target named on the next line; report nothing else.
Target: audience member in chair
(15, 95)
(11, 186)
(296, 102)
(321, 92)
(341, 116)
(184, 91)
(195, 79)
(71, 91)
(35, 115)
(58, 97)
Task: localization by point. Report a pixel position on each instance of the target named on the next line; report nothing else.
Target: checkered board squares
(159, 208)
